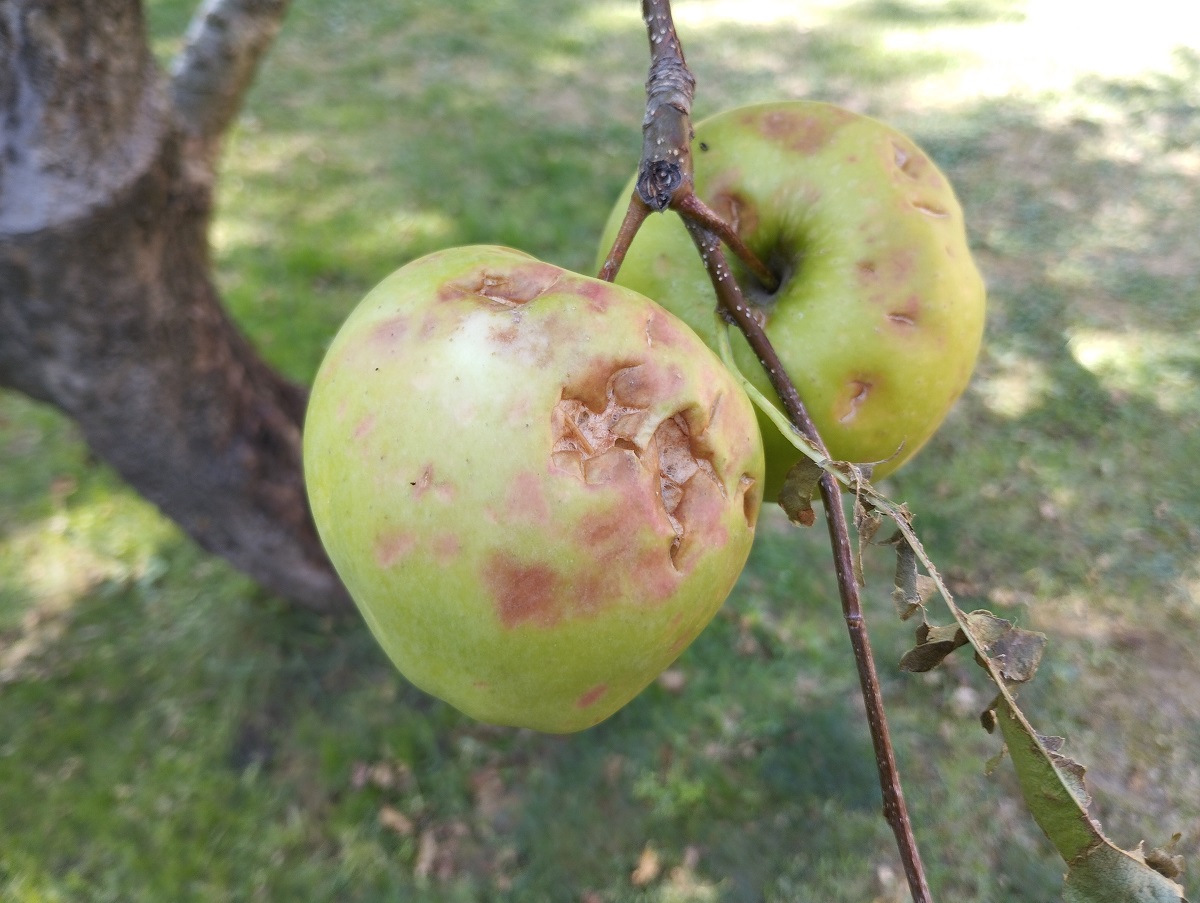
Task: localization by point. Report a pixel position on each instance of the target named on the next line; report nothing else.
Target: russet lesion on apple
(611, 436)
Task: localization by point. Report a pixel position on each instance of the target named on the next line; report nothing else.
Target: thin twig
(665, 172)
(634, 217)
(665, 180)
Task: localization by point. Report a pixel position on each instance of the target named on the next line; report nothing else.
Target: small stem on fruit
(691, 208)
(634, 217)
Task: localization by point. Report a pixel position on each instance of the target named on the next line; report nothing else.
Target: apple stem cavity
(665, 180)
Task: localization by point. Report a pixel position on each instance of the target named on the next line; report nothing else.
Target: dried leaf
(673, 680)
(1165, 860)
(487, 789)
(912, 590)
(799, 487)
(933, 645)
(1069, 770)
(1107, 875)
(987, 718)
(648, 868)
(427, 850)
(1015, 652)
(994, 761)
(867, 522)
(395, 820)
(1051, 785)
(1053, 789)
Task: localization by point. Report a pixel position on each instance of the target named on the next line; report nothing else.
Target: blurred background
(170, 733)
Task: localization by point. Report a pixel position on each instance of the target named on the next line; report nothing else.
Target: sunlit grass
(1163, 369)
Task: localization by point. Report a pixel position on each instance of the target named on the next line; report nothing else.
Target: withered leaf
(1072, 772)
(867, 522)
(933, 645)
(799, 487)
(994, 761)
(912, 589)
(1165, 860)
(648, 868)
(1014, 651)
(988, 719)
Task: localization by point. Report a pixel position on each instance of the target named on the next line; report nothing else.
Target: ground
(168, 732)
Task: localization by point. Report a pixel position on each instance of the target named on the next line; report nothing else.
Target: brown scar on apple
(660, 328)
(392, 547)
(798, 131)
(591, 697)
(751, 498)
(685, 476)
(734, 208)
(908, 160)
(512, 288)
(422, 483)
(856, 394)
(606, 443)
(930, 208)
(523, 593)
(389, 331)
(446, 548)
(364, 427)
(525, 499)
(907, 315)
(426, 481)
(504, 335)
(599, 294)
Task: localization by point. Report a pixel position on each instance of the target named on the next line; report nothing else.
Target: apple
(537, 487)
(879, 312)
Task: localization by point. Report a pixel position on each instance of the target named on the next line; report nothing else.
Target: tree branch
(224, 45)
(108, 308)
(665, 179)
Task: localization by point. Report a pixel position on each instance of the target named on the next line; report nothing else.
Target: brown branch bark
(107, 304)
(225, 43)
(667, 169)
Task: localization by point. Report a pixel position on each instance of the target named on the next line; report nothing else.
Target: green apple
(880, 309)
(538, 487)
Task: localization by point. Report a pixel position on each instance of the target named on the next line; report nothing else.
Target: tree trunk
(107, 304)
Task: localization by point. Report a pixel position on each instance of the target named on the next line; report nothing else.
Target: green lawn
(170, 733)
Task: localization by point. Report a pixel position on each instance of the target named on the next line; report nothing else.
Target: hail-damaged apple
(537, 487)
(880, 309)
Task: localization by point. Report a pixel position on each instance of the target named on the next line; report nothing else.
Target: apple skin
(880, 313)
(537, 487)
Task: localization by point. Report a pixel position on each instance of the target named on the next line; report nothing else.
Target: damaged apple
(538, 487)
(879, 311)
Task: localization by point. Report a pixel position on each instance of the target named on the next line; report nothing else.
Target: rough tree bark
(108, 308)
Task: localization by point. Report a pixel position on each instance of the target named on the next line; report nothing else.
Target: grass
(168, 732)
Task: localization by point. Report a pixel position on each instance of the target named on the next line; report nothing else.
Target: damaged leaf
(1069, 770)
(1108, 875)
(1165, 860)
(1052, 785)
(933, 645)
(1014, 651)
(912, 589)
(867, 522)
(799, 487)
